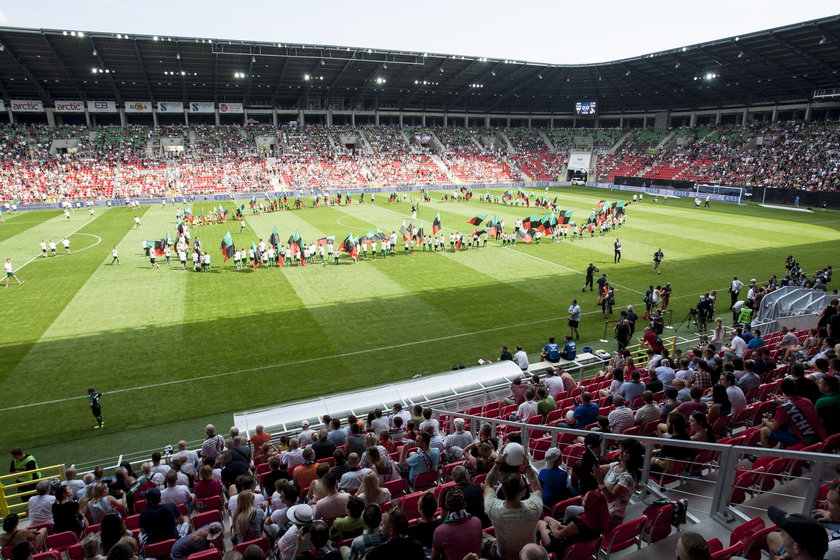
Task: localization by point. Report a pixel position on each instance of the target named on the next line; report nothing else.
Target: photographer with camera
(704, 312)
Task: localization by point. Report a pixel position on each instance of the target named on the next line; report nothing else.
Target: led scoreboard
(586, 107)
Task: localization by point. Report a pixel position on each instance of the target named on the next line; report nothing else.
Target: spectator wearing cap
(458, 438)
(159, 521)
(301, 517)
(800, 537)
(553, 479)
(514, 518)
(197, 541)
(305, 435)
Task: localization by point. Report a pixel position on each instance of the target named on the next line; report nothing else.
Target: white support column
(154, 119)
(51, 117)
(274, 117)
(693, 119)
(775, 115)
(218, 120)
(122, 117)
(808, 113)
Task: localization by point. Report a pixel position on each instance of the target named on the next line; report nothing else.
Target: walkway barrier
(720, 459)
(13, 494)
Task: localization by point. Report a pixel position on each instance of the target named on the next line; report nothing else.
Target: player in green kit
(94, 400)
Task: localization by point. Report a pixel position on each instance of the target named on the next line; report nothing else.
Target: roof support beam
(30, 77)
(67, 72)
(117, 97)
(250, 80)
(280, 75)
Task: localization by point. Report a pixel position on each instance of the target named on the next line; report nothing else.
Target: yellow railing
(639, 352)
(12, 492)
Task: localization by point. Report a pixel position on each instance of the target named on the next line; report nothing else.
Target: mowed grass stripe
(28, 368)
(25, 243)
(15, 224)
(113, 298)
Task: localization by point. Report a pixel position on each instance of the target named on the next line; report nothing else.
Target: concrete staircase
(665, 140)
(443, 167)
(618, 144)
(506, 140)
(366, 147)
(545, 139)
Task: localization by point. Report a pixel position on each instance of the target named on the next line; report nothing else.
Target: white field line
(308, 360)
(36, 257)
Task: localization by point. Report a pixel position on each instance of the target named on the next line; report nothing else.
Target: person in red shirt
(795, 420)
(652, 340)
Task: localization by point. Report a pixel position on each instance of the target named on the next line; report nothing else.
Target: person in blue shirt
(569, 349)
(756, 341)
(585, 414)
(551, 351)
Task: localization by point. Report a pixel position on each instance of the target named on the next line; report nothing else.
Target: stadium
(210, 231)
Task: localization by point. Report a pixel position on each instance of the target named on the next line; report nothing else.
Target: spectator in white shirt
(520, 358)
(528, 408)
(294, 455)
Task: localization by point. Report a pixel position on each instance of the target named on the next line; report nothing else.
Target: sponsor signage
(138, 107)
(202, 107)
(70, 106)
(231, 108)
(102, 106)
(27, 106)
(170, 107)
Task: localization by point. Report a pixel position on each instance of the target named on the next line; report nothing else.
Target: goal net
(721, 192)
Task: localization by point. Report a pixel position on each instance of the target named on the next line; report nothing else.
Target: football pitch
(172, 349)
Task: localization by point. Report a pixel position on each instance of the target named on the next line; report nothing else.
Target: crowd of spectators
(135, 160)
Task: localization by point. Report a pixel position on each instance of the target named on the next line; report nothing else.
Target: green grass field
(173, 349)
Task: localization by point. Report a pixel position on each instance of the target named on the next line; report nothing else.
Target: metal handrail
(720, 508)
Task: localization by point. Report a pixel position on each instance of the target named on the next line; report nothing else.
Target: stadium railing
(725, 464)
(13, 494)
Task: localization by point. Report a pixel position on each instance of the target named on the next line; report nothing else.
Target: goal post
(721, 192)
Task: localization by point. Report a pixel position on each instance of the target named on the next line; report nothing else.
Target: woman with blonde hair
(370, 492)
(100, 503)
(383, 466)
(247, 520)
(717, 335)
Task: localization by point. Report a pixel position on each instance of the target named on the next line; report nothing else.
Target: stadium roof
(777, 66)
